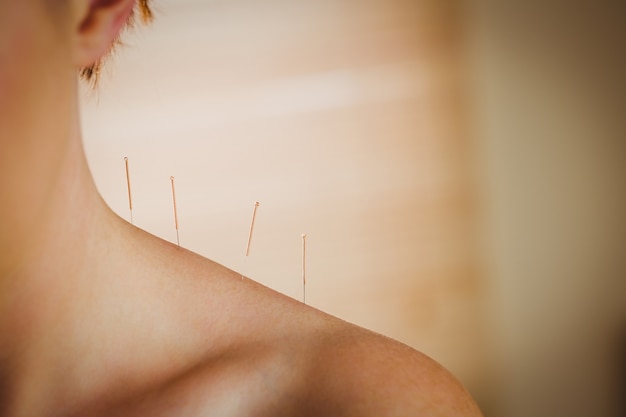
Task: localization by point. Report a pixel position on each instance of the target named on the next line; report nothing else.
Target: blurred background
(458, 168)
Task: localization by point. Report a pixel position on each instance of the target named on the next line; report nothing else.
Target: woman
(99, 318)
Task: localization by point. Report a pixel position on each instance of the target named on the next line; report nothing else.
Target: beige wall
(550, 111)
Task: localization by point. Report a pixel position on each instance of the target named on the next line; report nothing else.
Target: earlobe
(98, 27)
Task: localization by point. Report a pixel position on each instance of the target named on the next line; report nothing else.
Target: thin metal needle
(304, 268)
(256, 205)
(175, 211)
(130, 199)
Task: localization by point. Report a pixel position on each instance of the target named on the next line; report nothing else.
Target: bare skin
(99, 318)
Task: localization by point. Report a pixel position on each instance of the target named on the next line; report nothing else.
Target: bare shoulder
(253, 351)
(311, 364)
(334, 369)
(360, 373)
(301, 361)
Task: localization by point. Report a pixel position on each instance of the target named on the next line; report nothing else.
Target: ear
(98, 26)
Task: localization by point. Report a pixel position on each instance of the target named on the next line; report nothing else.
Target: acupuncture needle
(304, 268)
(175, 211)
(256, 206)
(130, 199)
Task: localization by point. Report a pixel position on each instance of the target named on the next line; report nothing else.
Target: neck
(89, 296)
(81, 291)
(49, 243)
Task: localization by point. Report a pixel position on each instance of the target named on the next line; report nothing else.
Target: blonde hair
(141, 9)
